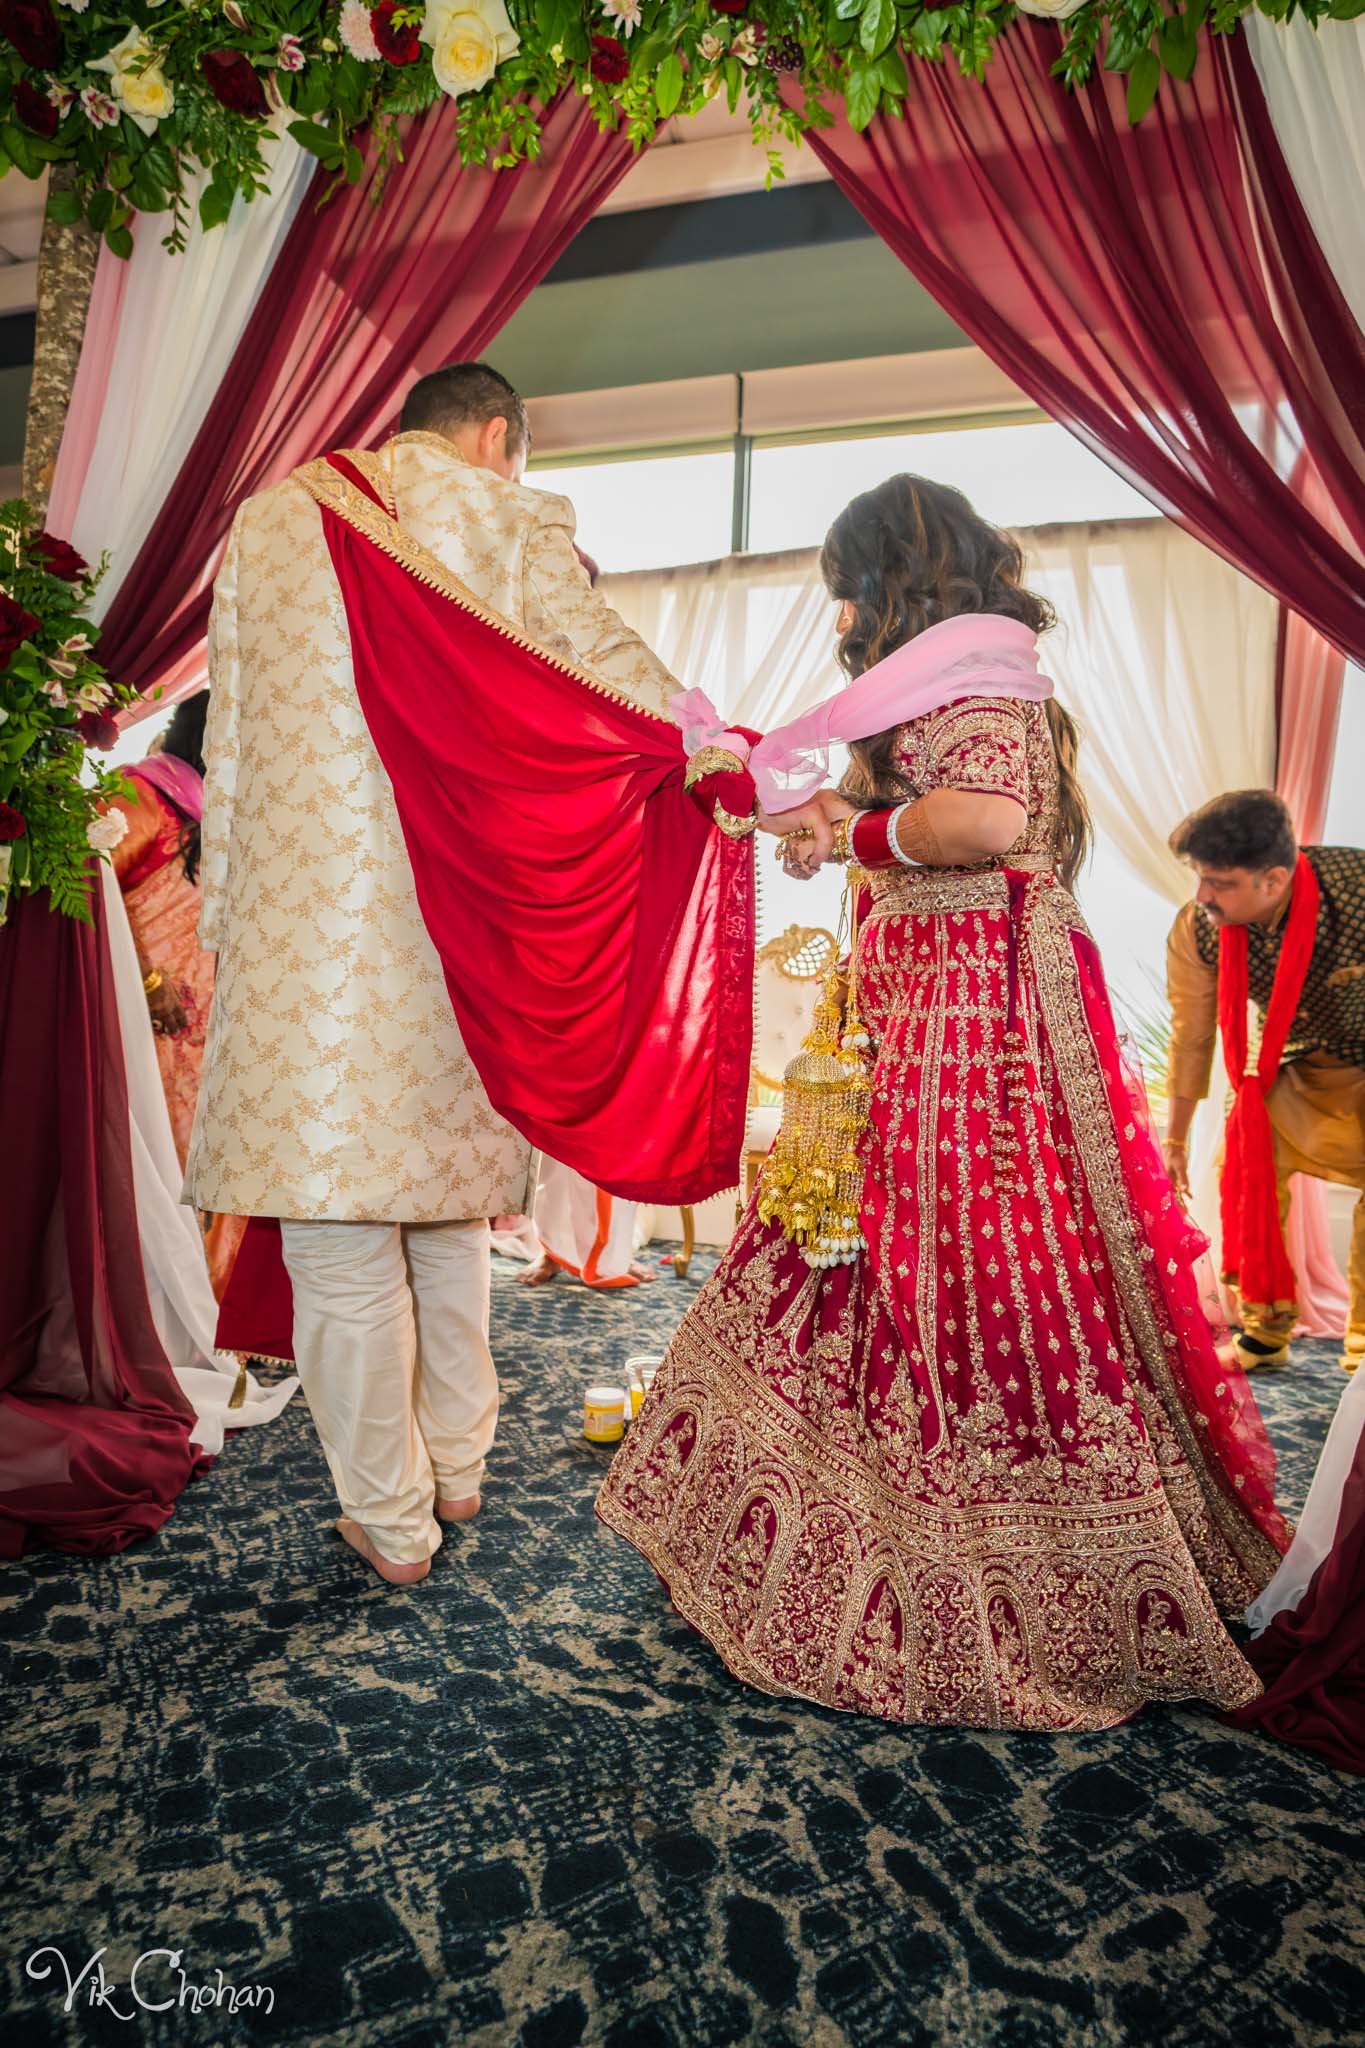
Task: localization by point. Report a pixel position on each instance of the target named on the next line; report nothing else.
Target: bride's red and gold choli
(992, 1473)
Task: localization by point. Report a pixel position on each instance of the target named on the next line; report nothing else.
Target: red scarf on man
(1254, 1255)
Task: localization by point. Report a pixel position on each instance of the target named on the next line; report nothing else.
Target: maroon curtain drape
(361, 299)
(1158, 290)
(94, 1431)
(1312, 1657)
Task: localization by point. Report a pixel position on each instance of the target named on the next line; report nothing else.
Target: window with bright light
(654, 512)
(1025, 474)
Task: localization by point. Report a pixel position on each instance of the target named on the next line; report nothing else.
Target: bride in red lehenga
(988, 1470)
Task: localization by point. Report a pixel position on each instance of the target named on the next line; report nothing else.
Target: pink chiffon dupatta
(977, 654)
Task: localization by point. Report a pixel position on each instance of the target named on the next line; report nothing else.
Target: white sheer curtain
(142, 391)
(1164, 652)
(1313, 77)
(178, 1291)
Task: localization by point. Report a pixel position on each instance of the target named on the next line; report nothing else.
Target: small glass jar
(604, 1415)
(640, 1371)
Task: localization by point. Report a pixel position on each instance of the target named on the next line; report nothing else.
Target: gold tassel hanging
(237, 1398)
(812, 1181)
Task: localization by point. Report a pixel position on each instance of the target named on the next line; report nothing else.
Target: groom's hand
(807, 837)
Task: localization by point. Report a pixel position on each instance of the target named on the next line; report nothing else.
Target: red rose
(12, 825)
(31, 27)
(97, 729)
(59, 557)
(232, 80)
(16, 626)
(398, 41)
(731, 6)
(35, 109)
(609, 61)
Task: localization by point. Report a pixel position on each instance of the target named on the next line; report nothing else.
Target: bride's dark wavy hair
(905, 556)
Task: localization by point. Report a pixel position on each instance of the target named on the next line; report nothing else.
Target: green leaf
(1127, 40)
(877, 26)
(842, 33)
(893, 73)
(862, 95)
(310, 89)
(556, 20)
(1143, 81)
(733, 72)
(119, 171)
(355, 165)
(1179, 50)
(101, 209)
(215, 204)
(1346, 10)
(65, 208)
(20, 150)
(146, 194)
(849, 10)
(927, 32)
(320, 142)
(158, 163)
(668, 85)
(119, 241)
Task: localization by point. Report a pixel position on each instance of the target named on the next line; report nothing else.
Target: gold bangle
(151, 982)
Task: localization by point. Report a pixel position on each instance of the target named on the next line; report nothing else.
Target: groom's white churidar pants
(391, 1344)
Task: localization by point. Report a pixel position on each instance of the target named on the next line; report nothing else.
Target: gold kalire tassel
(812, 1181)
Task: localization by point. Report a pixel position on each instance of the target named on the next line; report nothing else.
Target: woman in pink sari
(978, 1462)
(157, 865)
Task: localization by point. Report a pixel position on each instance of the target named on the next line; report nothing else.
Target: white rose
(129, 54)
(106, 831)
(1050, 10)
(147, 96)
(469, 39)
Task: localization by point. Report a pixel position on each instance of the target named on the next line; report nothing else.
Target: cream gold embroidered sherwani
(335, 1082)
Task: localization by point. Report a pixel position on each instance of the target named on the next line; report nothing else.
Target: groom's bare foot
(638, 1270)
(459, 1510)
(394, 1574)
(543, 1270)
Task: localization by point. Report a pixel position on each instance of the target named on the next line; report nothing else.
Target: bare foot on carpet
(459, 1510)
(543, 1271)
(638, 1270)
(393, 1574)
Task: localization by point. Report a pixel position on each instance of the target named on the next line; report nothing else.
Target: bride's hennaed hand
(807, 838)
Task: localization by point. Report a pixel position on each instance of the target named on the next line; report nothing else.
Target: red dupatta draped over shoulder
(596, 929)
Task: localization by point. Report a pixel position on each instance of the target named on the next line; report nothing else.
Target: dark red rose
(31, 27)
(731, 6)
(609, 61)
(16, 626)
(97, 729)
(59, 557)
(398, 41)
(35, 109)
(12, 825)
(233, 81)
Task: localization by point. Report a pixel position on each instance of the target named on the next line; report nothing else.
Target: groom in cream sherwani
(336, 1092)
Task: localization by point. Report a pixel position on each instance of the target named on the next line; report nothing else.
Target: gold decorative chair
(787, 977)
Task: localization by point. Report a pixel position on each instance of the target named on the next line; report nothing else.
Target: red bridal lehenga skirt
(994, 1473)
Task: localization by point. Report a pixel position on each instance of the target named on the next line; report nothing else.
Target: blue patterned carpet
(525, 1804)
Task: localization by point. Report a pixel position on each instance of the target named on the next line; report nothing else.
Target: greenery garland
(56, 712)
(140, 100)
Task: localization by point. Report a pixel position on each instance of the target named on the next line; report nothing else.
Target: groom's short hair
(462, 395)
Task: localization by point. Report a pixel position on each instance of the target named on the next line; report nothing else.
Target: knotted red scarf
(1254, 1255)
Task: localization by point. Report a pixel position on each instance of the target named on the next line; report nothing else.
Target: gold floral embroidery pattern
(327, 486)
